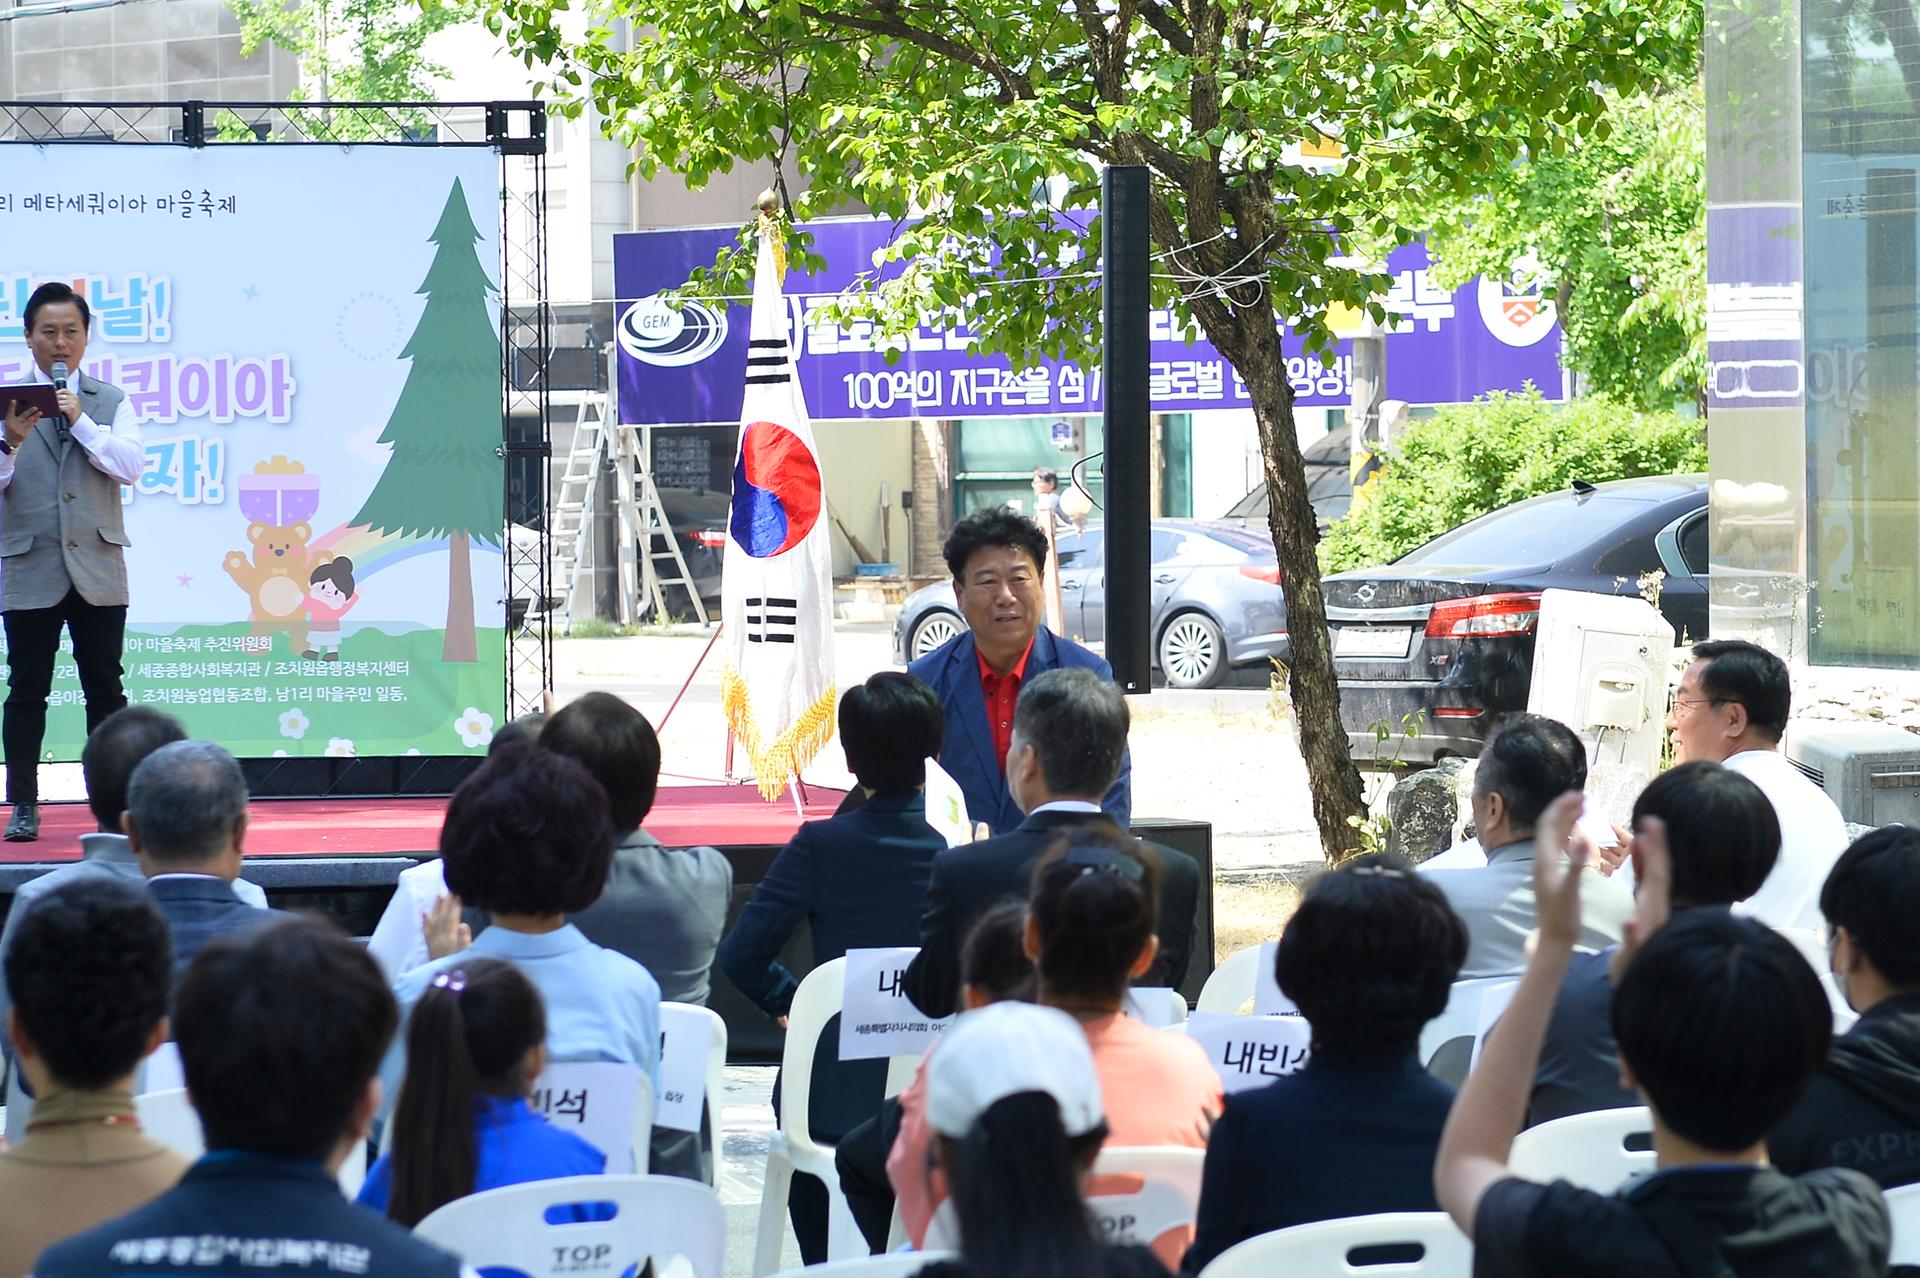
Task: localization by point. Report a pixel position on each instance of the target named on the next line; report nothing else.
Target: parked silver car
(1217, 601)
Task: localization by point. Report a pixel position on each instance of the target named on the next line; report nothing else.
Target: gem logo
(655, 333)
(1516, 309)
(776, 491)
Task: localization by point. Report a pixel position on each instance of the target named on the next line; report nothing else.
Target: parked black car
(1444, 635)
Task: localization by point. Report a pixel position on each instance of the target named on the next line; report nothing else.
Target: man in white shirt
(62, 539)
(1732, 709)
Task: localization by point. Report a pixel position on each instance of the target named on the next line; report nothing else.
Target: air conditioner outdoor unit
(1870, 770)
(1600, 667)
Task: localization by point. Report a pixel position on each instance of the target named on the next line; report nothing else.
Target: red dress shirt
(1001, 691)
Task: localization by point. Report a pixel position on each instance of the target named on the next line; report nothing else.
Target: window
(1693, 544)
(1081, 550)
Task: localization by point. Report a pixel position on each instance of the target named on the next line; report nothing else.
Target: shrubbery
(1469, 459)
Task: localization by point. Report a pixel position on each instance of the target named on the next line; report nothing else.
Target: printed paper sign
(947, 806)
(1493, 1005)
(1252, 1051)
(596, 1100)
(681, 1093)
(1267, 998)
(876, 1017)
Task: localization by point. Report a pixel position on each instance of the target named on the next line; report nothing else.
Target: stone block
(133, 23)
(143, 63)
(1422, 811)
(187, 19)
(193, 59)
(39, 73)
(86, 28)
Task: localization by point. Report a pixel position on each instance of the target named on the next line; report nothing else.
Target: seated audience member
(187, 822)
(1369, 958)
(1015, 1106)
(1863, 1109)
(423, 921)
(859, 881)
(664, 907)
(475, 1043)
(1721, 839)
(1721, 1027)
(92, 966)
(998, 561)
(994, 968)
(1090, 931)
(107, 761)
(280, 1029)
(1528, 763)
(1069, 743)
(528, 839)
(1732, 707)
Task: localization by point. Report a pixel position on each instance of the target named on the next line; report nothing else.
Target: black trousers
(33, 637)
(861, 1160)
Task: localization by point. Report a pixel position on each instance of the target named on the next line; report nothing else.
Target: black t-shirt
(1707, 1222)
(1121, 1262)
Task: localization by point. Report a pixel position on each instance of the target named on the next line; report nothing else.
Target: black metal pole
(1127, 420)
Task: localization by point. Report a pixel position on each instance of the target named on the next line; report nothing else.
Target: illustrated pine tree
(443, 479)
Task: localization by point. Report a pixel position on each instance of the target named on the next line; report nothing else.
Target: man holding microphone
(62, 539)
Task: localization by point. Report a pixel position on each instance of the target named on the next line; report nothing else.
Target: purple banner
(686, 366)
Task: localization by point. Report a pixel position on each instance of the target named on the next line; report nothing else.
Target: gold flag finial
(768, 203)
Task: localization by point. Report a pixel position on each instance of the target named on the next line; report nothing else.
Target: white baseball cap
(1005, 1049)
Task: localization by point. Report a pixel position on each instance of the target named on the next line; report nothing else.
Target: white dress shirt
(1812, 836)
(116, 449)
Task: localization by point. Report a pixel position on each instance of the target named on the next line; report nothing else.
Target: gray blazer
(1496, 904)
(60, 517)
(664, 908)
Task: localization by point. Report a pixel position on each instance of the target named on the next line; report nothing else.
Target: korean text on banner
(876, 1017)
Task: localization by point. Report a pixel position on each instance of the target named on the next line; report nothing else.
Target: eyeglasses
(1688, 703)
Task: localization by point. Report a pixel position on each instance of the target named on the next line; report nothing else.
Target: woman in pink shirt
(1090, 931)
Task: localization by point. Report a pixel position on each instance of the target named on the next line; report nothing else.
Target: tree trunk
(1332, 780)
(461, 644)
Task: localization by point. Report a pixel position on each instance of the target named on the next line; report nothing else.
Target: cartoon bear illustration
(276, 579)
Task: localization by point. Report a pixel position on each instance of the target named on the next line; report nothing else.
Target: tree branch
(1012, 84)
(1166, 27)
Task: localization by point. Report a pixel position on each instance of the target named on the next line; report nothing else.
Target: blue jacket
(953, 671)
(235, 1214)
(199, 908)
(513, 1145)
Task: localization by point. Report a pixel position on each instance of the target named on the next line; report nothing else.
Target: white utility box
(1600, 666)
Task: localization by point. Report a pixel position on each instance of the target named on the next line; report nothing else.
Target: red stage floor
(682, 816)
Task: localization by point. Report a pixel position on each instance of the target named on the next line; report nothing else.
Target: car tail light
(1269, 574)
(711, 538)
(1484, 616)
(1457, 712)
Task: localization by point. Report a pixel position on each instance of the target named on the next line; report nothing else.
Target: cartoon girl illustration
(330, 597)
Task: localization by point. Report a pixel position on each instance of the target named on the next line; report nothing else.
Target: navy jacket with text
(953, 671)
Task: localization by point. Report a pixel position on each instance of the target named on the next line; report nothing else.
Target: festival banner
(683, 365)
(310, 340)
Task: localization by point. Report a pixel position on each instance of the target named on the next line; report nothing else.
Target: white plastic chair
(688, 1027)
(902, 1264)
(1167, 1200)
(162, 1071)
(1230, 985)
(1590, 1150)
(1157, 1006)
(792, 1147)
(654, 1216)
(170, 1118)
(1461, 1019)
(1323, 1249)
(618, 1111)
(1904, 1203)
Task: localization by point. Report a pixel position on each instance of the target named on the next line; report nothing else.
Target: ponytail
(1014, 1181)
(1095, 905)
(467, 1038)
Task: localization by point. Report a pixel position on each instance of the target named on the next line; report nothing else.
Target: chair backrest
(608, 1104)
(1230, 985)
(170, 1118)
(1904, 1203)
(1325, 1249)
(1441, 1048)
(651, 1216)
(162, 1071)
(1146, 1195)
(693, 1047)
(814, 1005)
(902, 1264)
(1589, 1150)
(1156, 1006)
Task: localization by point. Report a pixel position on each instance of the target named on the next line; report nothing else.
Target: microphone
(59, 374)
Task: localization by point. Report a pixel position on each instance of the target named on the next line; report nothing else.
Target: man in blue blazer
(996, 558)
(187, 821)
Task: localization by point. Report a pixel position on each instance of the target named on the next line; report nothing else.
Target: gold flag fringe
(773, 765)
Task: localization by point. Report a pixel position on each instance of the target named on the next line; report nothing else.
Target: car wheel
(1193, 651)
(930, 632)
